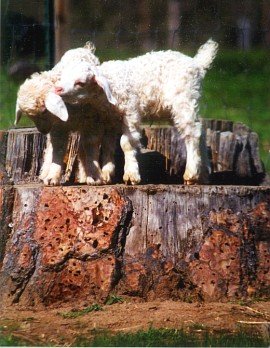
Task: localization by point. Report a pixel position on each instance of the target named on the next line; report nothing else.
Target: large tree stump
(80, 243)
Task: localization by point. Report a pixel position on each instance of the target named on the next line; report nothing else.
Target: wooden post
(62, 11)
(144, 27)
(174, 18)
(49, 41)
(265, 9)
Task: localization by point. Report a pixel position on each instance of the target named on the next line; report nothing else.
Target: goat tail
(90, 46)
(206, 54)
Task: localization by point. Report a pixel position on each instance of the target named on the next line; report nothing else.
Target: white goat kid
(50, 115)
(160, 84)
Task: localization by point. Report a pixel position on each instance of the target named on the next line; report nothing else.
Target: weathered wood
(6, 210)
(80, 243)
(24, 154)
(6, 197)
(71, 156)
(3, 151)
(200, 232)
(233, 151)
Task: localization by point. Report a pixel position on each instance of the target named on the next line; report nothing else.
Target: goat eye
(79, 84)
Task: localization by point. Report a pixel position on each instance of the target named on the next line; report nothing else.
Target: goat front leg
(89, 168)
(51, 170)
(47, 159)
(130, 142)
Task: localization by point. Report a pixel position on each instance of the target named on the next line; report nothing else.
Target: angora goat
(50, 115)
(159, 84)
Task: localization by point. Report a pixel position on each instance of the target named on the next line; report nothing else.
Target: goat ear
(104, 84)
(18, 114)
(55, 104)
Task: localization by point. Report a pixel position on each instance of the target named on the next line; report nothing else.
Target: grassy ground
(236, 88)
(155, 338)
(125, 322)
(172, 338)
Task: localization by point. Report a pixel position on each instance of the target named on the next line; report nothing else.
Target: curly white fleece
(159, 84)
(32, 93)
(31, 99)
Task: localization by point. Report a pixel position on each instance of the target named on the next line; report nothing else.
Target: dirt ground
(48, 326)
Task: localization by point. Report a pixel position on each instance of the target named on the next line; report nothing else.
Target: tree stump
(81, 243)
(233, 152)
(78, 244)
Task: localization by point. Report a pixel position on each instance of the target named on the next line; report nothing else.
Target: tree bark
(76, 244)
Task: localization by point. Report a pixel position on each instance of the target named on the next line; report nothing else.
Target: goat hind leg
(89, 168)
(54, 157)
(108, 150)
(190, 128)
(197, 163)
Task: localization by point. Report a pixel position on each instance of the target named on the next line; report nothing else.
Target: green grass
(78, 313)
(10, 341)
(112, 299)
(172, 338)
(75, 313)
(153, 338)
(8, 92)
(236, 88)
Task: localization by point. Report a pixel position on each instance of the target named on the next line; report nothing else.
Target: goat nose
(58, 90)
